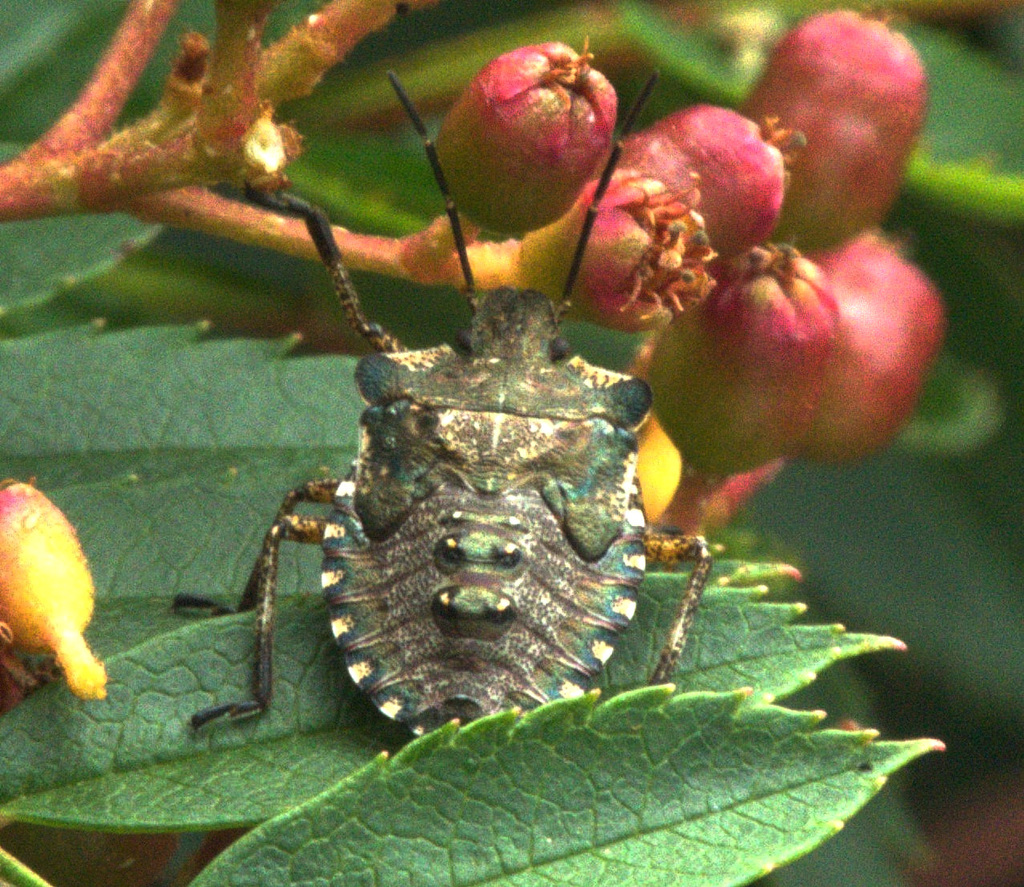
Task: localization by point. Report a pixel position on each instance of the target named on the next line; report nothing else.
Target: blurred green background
(924, 542)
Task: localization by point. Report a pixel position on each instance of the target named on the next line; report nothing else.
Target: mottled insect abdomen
(475, 604)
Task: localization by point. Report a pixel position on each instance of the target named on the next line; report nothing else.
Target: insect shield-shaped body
(487, 551)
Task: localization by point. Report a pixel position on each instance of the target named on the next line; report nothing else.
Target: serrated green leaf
(319, 728)
(168, 389)
(132, 759)
(43, 256)
(645, 789)
(170, 453)
(735, 642)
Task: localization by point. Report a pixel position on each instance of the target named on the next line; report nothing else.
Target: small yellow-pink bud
(46, 590)
(660, 468)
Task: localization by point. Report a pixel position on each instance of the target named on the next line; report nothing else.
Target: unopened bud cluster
(760, 351)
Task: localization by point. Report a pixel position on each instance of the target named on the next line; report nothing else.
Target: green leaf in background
(48, 51)
(50, 48)
(972, 157)
(959, 412)
(14, 874)
(648, 788)
(688, 56)
(43, 256)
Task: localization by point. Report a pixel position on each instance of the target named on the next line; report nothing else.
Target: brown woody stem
(230, 105)
(294, 65)
(425, 257)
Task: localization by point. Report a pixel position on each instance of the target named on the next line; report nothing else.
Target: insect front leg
(260, 592)
(319, 228)
(671, 548)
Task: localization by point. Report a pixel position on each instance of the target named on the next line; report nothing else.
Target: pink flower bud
(739, 174)
(526, 135)
(644, 262)
(891, 326)
(857, 91)
(737, 379)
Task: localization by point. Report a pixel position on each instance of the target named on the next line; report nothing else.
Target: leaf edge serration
(556, 722)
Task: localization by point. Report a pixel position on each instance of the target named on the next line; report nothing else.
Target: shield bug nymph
(485, 549)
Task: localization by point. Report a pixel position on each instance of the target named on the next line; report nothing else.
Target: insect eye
(558, 348)
(426, 422)
(464, 342)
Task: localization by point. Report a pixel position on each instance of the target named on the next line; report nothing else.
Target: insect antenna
(442, 184)
(602, 186)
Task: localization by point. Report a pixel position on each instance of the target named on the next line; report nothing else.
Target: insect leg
(260, 593)
(320, 232)
(670, 548)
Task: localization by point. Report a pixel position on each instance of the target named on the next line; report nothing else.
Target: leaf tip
(889, 643)
(788, 571)
(755, 575)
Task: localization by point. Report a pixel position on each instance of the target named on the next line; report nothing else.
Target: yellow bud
(660, 468)
(46, 590)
